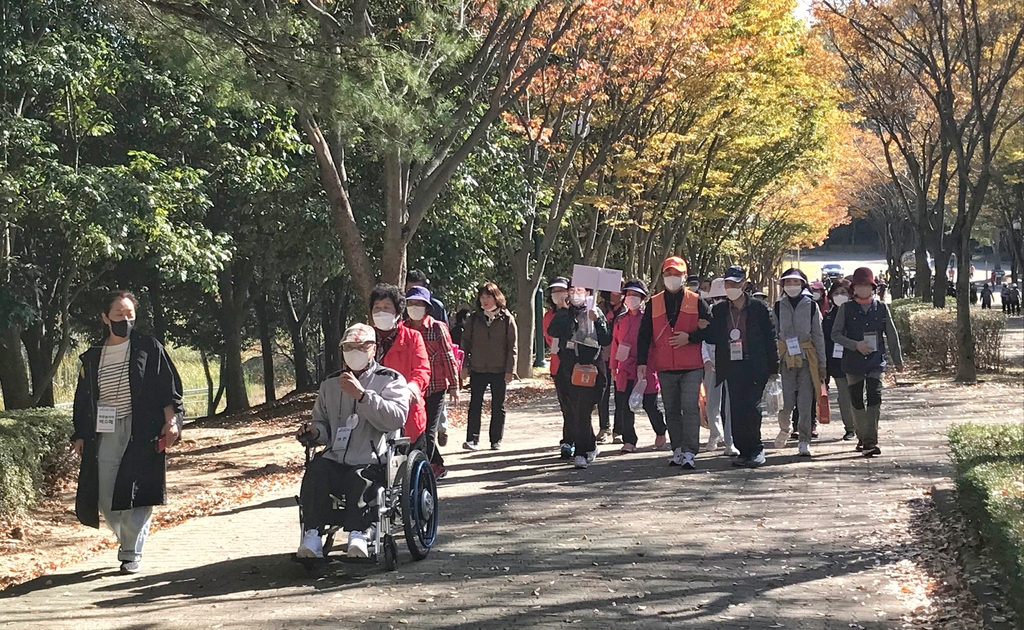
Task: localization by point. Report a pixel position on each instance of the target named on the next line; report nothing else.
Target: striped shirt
(115, 389)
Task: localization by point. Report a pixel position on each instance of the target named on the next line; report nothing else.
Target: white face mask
(673, 283)
(733, 294)
(816, 295)
(840, 299)
(384, 321)
(356, 359)
(416, 313)
(578, 299)
(633, 302)
(793, 291)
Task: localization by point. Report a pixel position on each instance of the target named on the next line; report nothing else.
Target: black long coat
(141, 478)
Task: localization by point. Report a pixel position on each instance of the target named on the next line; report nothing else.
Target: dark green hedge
(35, 451)
(989, 462)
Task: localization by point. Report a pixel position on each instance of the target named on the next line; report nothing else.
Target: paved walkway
(528, 542)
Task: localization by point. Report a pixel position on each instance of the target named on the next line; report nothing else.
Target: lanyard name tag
(793, 346)
(106, 417)
(341, 438)
(837, 351)
(872, 340)
(736, 350)
(622, 352)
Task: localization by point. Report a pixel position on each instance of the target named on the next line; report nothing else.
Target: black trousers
(568, 428)
(478, 384)
(745, 396)
(625, 419)
(427, 441)
(355, 485)
(604, 404)
(580, 403)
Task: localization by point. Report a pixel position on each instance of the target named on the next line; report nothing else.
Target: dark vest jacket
(857, 323)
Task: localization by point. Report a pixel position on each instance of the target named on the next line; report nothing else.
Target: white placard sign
(597, 278)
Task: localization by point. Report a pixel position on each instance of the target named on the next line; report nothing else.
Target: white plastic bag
(773, 396)
(636, 399)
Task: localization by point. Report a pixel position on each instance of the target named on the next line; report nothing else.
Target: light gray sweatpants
(130, 526)
(845, 404)
(797, 389)
(719, 424)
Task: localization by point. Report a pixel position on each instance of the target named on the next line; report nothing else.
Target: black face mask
(122, 328)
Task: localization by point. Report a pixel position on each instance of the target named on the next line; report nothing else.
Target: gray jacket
(383, 410)
(802, 322)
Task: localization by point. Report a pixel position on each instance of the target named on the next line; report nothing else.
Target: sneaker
(780, 439)
(849, 435)
(566, 451)
(805, 449)
(312, 545)
(688, 462)
(713, 443)
(860, 446)
(814, 434)
(740, 462)
(871, 451)
(660, 442)
(357, 545)
(732, 451)
(495, 446)
(794, 435)
(604, 436)
(677, 458)
(757, 461)
(581, 462)
(440, 472)
(130, 567)
(616, 438)
(470, 446)
(627, 448)
(442, 439)
(592, 455)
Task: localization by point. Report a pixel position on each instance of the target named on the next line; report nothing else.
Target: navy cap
(735, 274)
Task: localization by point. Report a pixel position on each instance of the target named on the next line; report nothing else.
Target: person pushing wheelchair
(355, 411)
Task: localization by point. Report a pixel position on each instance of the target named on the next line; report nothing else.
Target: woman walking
(127, 412)
(623, 372)
(489, 342)
(444, 377)
(582, 332)
(838, 295)
(558, 297)
(401, 348)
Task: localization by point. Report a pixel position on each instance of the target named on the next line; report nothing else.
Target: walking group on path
(708, 349)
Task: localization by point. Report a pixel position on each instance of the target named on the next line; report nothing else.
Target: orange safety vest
(663, 356)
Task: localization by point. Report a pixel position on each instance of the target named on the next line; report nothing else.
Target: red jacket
(624, 335)
(548, 316)
(408, 357)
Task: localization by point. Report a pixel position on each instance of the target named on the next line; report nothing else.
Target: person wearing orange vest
(669, 342)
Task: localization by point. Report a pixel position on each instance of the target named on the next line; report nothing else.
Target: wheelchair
(408, 496)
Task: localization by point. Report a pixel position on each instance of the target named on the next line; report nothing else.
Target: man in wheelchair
(353, 415)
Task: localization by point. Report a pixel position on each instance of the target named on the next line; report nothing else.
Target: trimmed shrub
(35, 452)
(901, 311)
(934, 337)
(989, 463)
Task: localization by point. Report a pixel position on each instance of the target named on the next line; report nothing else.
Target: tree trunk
(941, 277)
(966, 366)
(333, 313)
(234, 376)
(13, 371)
(922, 272)
(526, 324)
(396, 203)
(233, 283)
(266, 348)
(39, 348)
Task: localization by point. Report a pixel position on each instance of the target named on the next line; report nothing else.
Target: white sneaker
(732, 451)
(312, 545)
(805, 449)
(592, 455)
(581, 462)
(677, 458)
(688, 462)
(357, 545)
(780, 439)
(713, 443)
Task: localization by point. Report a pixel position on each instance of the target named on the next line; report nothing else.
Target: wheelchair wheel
(390, 553)
(419, 505)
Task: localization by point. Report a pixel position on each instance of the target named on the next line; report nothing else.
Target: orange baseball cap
(674, 262)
